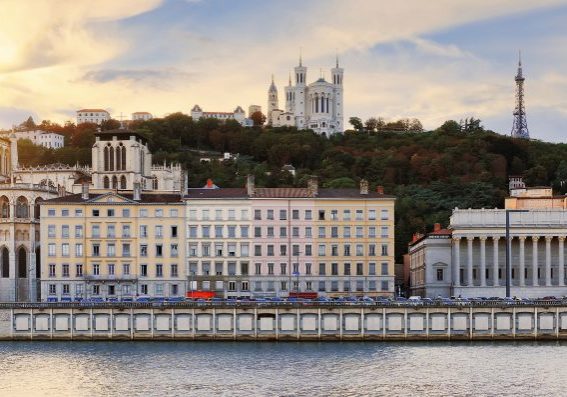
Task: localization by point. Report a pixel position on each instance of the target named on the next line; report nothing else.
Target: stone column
(457, 261)
(199, 268)
(483, 261)
(495, 261)
(470, 241)
(561, 274)
(548, 260)
(522, 270)
(225, 268)
(534, 261)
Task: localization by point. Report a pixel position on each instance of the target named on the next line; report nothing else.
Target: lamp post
(508, 267)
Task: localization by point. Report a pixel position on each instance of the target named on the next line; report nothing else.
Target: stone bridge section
(297, 323)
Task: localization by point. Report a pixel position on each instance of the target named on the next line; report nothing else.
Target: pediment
(440, 264)
(111, 197)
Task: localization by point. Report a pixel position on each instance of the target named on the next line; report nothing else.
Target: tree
(371, 124)
(28, 125)
(110, 124)
(356, 122)
(258, 118)
(415, 126)
(449, 127)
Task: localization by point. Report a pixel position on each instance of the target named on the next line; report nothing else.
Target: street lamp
(508, 267)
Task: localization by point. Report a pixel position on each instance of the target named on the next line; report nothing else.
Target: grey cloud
(152, 77)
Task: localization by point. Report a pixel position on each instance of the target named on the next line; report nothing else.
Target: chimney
(313, 187)
(85, 191)
(137, 194)
(250, 187)
(436, 227)
(380, 189)
(364, 186)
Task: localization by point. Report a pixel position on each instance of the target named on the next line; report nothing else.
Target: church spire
(300, 57)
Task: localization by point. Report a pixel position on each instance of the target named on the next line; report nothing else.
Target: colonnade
(530, 266)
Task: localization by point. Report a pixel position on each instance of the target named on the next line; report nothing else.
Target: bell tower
(272, 100)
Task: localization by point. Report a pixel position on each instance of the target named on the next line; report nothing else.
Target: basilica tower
(337, 73)
(272, 100)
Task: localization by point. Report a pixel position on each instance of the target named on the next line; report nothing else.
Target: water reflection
(281, 369)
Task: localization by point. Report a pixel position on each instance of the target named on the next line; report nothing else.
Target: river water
(282, 369)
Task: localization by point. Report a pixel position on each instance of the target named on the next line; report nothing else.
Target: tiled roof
(145, 198)
(281, 192)
(92, 110)
(216, 193)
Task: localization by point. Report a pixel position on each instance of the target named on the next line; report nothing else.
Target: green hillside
(430, 172)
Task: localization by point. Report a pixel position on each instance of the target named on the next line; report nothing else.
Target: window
(79, 231)
(159, 270)
(244, 231)
(283, 250)
(270, 250)
(159, 289)
(384, 232)
(283, 268)
(95, 231)
(173, 213)
(439, 274)
(322, 269)
(126, 231)
(206, 231)
(283, 232)
(109, 212)
(359, 250)
(50, 212)
(270, 215)
(244, 249)
(193, 231)
(384, 268)
(371, 249)
(346, 250)
(321, 215)
(51, 231)
(174, 250)
(283, 215)
(65, 249)
(144, 270)
(372, 269)
(334, 269)
(110, 249)
(295, 232)
(384, 286)
(96, 289)
(79, 270)
(159, 231)
(359, 215)
(359, 232)
(244, 215)
(110, 231)
(371, 215)
(205, 215)
(308, 215)
(257, 215)
(270, 231)
(51, 270)
(143, 250)
(372, 232)
(258, 268)
(257, 250)
(384, 215)
(308, 232)
(96, 212)
(126, 249)
(159, 250)
(232, 286)
(346, 215)
(231, 215)
(334, 215)
(308, 250)
(232, 232)
(78, 212)
(334, 232)
(193, 249)
(193, 215)
(96, 249)
(96, 269)
(143, 213)
(159, 213)
(126, 269)
(144, 289)
(295, 250)
(174, 289)
(143, 231)
(334, 250)
(295, 214)
(174, 271)
(271, 269)
(308, 268)
(283, 286)
(78, 250)
(126, 213)
(384, 249)
(64, 212)
(321, 231)
(111, 269)
(52, 289)
(346, 270)
(258, 231)
(218, 215)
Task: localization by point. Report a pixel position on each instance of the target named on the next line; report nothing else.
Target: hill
(430, 172)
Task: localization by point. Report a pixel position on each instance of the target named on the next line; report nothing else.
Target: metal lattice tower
(520, 125)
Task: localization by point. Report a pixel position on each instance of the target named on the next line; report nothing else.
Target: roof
(118, 132)
(141, 113)
(281, 192)
(440, 232)
(148, 198)
(92, 110)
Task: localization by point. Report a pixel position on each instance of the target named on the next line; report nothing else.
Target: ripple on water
(281, 369)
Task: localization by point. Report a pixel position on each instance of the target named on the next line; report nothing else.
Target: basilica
(317, 106)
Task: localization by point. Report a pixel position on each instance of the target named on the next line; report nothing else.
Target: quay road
(291, 321)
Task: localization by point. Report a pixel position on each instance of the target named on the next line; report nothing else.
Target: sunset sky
(434, 60)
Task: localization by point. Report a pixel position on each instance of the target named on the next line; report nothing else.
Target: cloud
(158, 78)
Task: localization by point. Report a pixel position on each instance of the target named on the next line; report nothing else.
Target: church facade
(317, 106)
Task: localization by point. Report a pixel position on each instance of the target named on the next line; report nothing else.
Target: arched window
(22, 207)
(155, 184)
(123, 158)
(118, 158)
(5, 258)
(114, 182)
(123, 182)
(111, 159)
(106, 160)
(4, 207)
(37, 263)
(327, 105)
(106, 183)
(37, 208)
(22, 263)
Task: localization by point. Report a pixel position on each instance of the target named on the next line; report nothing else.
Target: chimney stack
(313, 186)
(436, 227)
(364, 186)
(380, 189)
(137, 193)
(250, 187)
(85, 191)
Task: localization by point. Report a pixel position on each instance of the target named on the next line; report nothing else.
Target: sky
(433, 60)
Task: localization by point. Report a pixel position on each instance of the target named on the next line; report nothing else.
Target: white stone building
(239, 115)
(141, 116)
(46, 139)
(317, 106)
(96, 116)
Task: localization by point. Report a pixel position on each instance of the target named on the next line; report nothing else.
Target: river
(282, 369)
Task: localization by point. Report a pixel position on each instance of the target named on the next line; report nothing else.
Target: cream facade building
(46, 139)
(96, 116)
